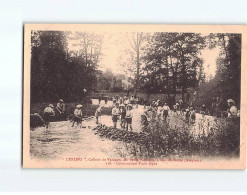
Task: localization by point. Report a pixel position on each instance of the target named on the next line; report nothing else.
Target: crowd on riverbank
(122, 111)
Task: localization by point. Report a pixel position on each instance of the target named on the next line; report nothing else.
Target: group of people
(50, 112)
(163, 109)
(122, 111)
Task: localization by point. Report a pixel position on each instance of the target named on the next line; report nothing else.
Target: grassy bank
(160, 140)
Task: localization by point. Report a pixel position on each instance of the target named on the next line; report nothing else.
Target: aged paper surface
(134, 96)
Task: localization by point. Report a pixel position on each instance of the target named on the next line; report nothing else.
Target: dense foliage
(57, 72)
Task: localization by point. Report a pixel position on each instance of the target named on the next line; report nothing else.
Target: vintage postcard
(134, 96)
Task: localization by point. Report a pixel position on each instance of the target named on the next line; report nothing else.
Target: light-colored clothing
(98, 111)
(233, 112)
(126, 101)
(129, 114)
(78, 112)
(166, 107)
(49, 110)
(159, 110)
(115, 111)
(61, 107)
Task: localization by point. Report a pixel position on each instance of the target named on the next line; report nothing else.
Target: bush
(161, 140)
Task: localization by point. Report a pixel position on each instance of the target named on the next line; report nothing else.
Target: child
(129, 116)
(203, 110)
(187, 114)
(165, 111)
(98, 113)
(122, 112)
(115, 114)
(192, 115)
(175, 107)
(77, 116)
(48, 114)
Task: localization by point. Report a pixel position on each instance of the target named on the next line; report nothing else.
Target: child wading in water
(77, 116)
(115, 114)
(98, 113)
(48, 115)
(122, 115)
(129, 116)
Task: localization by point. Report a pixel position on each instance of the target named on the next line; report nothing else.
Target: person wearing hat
(122, 112)
(129, 116)
(115, 114)
(77, 115)
(48, 115)
(232, 111)
(61, 108)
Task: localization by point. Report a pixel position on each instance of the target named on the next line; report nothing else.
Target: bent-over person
(61, 108)
(48, 115)
(77, 116)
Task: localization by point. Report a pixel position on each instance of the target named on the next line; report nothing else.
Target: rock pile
(123, 135)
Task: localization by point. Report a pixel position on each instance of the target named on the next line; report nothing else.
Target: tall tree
(174, 57)
(135, 40)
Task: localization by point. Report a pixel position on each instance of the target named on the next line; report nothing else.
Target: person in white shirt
(115, 114)
(98, 113)
(48, 115)
(77, 116)
(61, 109)
(128, 117)
(165, 111)
(126, 101)
(232, 111)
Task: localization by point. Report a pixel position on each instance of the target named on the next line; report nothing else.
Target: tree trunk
(184, 85)
(138, 70)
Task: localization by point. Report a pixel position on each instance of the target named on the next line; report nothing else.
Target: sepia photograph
(133, 96)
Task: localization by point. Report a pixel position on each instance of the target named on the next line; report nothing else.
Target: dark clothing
(77, 119)
(114, 118)
(123, 113)
(129, 120)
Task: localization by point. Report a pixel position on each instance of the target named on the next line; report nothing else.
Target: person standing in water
(98, 113)
(77, 116)
(48, 115)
